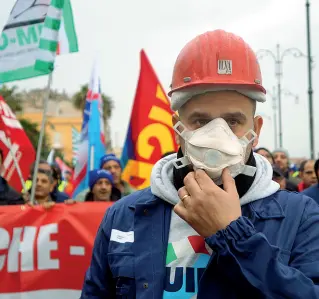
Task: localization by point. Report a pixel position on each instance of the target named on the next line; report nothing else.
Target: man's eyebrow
(237, 115)
(205, 115)
(198, 114)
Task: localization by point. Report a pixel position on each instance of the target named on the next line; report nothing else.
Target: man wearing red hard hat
(213, 224)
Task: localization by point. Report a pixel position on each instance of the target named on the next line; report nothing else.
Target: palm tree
(12, 98)
(80, 97)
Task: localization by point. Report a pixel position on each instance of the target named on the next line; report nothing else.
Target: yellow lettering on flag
(161, 95)
(163, 135)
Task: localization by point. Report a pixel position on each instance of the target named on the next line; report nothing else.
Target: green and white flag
(49, 39)
(20, 44)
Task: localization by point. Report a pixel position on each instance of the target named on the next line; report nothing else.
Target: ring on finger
(184, 197)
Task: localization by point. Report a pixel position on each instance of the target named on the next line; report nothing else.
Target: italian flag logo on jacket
(186, 261)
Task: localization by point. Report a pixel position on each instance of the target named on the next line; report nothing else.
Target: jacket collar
(146, 197)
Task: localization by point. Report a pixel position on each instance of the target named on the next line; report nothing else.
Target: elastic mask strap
(245, 140)
(180, 129)
(249, 170)
(181, 162)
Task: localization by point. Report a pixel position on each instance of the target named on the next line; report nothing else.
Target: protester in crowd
(219, 236)
(265, 153)
(279, 177)
(101, 182)
(56, 195)
(112, 164)
(43, 189)
(281, 158)
(313, 191)
(8, 196)
(307, 174)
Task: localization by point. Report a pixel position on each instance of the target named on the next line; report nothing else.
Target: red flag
(21, 146)
(150, 133)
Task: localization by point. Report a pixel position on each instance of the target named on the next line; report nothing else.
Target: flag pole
(40, 142)
(16, 164)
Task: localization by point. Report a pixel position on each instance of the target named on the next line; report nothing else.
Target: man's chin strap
(243, 182)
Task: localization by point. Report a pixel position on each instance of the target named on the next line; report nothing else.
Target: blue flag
(96, 148)
(91, 146)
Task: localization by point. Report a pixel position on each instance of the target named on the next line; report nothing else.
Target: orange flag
(150, 133)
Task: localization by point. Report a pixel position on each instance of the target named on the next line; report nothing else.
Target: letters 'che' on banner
(45, 254)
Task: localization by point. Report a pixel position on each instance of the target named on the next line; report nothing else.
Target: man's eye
(201, 122)
(233, 122)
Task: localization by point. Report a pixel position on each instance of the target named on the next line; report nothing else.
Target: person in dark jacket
(102, 187)
(281, 158)
(112, 164)
(213, 224)
(56, 195)
(313, 191)
(8, 196)
(307, 174)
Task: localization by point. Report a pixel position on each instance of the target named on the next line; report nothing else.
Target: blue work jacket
(272, 251)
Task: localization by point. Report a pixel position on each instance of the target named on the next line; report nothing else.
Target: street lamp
(310, 91)
(278, 58)
(274, 107)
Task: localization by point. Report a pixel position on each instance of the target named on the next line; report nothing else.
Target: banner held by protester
(36, 244)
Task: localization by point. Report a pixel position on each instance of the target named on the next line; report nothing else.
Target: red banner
(150, 134)
(45, 254)
(21, 147)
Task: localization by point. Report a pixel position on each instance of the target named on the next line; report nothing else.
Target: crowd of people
(302, 178)
(221, 218)
(105, 184)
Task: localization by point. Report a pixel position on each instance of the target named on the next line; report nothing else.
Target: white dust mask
(214, 147)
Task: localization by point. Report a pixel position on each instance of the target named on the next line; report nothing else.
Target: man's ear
(258, 123)
(175, 119)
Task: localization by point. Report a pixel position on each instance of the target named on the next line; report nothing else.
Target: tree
(12, 98)
(80, 97)
(34, 97)
(32, 131)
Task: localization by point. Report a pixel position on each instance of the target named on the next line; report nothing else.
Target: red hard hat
(217, 58)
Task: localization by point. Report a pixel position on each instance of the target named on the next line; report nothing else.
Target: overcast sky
(118, 30)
